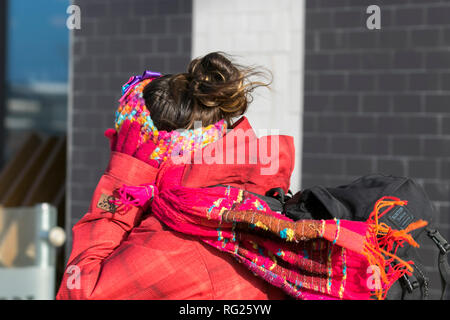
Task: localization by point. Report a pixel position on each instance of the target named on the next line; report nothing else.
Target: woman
(174, 217)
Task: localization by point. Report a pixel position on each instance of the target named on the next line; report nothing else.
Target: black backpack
(355, 201)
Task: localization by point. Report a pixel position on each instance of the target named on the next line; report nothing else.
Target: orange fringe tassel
(382, 243)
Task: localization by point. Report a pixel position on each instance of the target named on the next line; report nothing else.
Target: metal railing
(29, 237)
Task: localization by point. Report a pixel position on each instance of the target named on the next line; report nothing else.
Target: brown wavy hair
(212, 89)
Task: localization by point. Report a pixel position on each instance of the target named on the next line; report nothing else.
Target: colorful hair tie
(136, 79)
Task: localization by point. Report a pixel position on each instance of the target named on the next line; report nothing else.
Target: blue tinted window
(38, 42)
(37, 63)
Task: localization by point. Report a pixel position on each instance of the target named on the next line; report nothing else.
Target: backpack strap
(444, 248)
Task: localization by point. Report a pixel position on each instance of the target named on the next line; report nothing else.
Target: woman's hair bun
(216, 82)
(212, 89)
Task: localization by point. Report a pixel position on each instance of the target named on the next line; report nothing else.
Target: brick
(333, 40)
(376, 60)
(391, 166)
(408, 60)
(444, 81)
(177, 64)
(146, 45)
(130, 64)
(361, 82)
(315, 144)
(393, 39)
(84, 64)
(425, 38)
(363, 39)
(409, 16)
(186, 43)
(84, 121)
(310, 82)
(322, 165)
(392, 82)
(376, 103)
(180, 24)
(361, 124)
(309, 123)
(81, 174)
(167, 7)
(78, 48)
(358, 167)
(437, 147)
(437, 191)
(346, 61)
(425, 169)
(121, 46)
(406, 146)
(423, 125)
(130, 26)
(438, 15)
(168, 44)
(79, 192)
(185, 6)
(310, 41)
(446, 125)
(445, 36)
(82, 138)
(424, 81)
(94, 10)
(317, 61)
(84, 101)
(407, 103)
(344, 145)
(374, 145)
(96, 83)
(350, 19)
(105, 64)
(310, 181)
(122, 8)
(156, 25)
(154, 63)
(96, 47)
(345, 102)
(316, 103)
(330, 3)
(437, 60)
(392, 125)
(332, 124)
(331, 82)
(437, 103)
(144, 8)
(319, 20)
(79, 85)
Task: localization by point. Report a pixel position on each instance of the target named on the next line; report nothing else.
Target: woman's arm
(97, 235)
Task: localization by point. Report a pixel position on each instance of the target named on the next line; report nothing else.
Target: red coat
(134, 256)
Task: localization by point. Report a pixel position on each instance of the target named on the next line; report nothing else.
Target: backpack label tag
(400, 217)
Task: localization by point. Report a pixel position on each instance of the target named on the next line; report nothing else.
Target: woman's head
(212, 89)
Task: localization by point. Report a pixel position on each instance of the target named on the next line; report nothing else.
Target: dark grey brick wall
(379, 100)
(117, 39)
